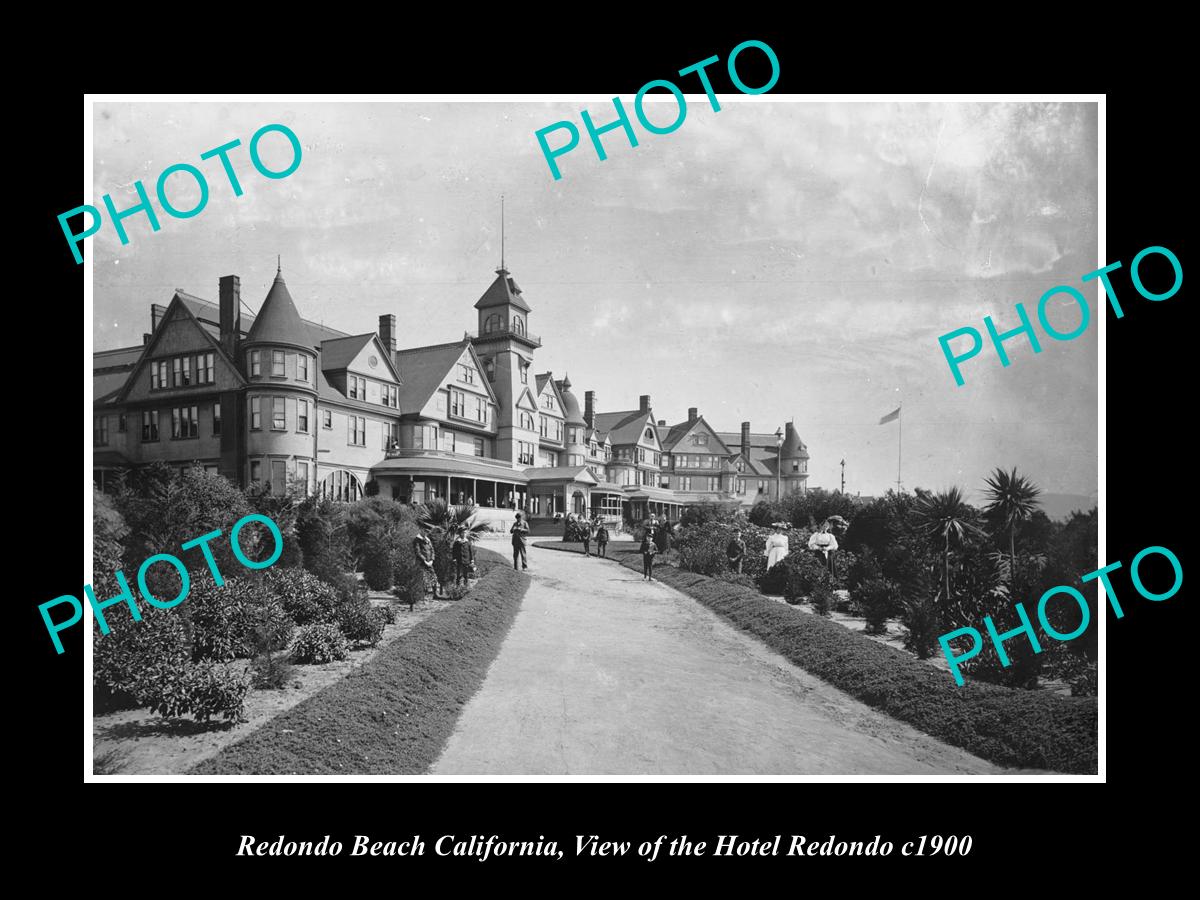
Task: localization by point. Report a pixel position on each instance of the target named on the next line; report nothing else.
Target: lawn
(394, 714)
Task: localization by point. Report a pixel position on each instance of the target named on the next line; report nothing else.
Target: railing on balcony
(506, 332)
(411, 453)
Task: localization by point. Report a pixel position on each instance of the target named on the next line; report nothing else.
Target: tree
(1012, 499)
(436, 517)
(945, 516)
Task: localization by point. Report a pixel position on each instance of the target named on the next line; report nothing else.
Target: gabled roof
(527, 401)
(623, 427)
(542, 380)
(338, 353)
(503, 292)
(753, 466)
(278, 321)
(177, 308)
(678, 432)
(561, 473)
(422, 370)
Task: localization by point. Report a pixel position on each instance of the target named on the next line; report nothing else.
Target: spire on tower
(278, 265)
(502, 270)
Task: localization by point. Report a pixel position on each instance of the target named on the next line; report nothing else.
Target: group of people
(462, 557)
(586, 531)
(776, 547)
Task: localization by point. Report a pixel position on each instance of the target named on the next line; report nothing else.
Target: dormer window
(649, 434)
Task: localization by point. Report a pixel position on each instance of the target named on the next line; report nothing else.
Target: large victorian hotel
(274, 398)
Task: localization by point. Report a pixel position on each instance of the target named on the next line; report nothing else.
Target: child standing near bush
(460, 552)
(601, 539)
(648, 550)
(423, 550)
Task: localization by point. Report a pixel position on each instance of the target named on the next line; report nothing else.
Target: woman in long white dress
(777, 547)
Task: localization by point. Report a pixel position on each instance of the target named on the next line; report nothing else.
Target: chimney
(387, 332)
(644, 403)
(746, 439)
(662, 423)
(231, 312)
(146, 339)
(693, 414)
(157, 311)
(589, 408)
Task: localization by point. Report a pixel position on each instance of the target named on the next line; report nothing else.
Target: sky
(771, 261)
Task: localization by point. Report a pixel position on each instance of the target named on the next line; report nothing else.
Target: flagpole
(899, 446)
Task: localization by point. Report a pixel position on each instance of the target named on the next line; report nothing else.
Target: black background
(192, 828)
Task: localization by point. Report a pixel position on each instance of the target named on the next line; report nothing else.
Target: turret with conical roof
(793, 457)
(278, 322)
(576, 437)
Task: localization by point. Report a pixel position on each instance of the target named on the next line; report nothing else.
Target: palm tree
(1012, 499)
(947, 516)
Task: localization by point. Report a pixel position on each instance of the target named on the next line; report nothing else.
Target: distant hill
(1060, 506)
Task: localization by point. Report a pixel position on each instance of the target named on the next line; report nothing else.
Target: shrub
(386, 613)
(864, 568)
(922, 623)
(305, 597)
(874, 600)
(379, 559)
(802, 573)
(134, 655)
(320, 644)
(204, 689)
(238, 620)
(408, 578)
(357, 621)
(822, 597)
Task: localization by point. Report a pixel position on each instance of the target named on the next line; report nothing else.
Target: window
(741, 488)
(458, 404)
(184, 422)
(302, 475)
(649, 434)
(302, 367)
(100, 431)
(327, 418)
(641, 454)
(685, 483)
(448, 441)
(525, 453)
(255, 471)
(278, 476)
(714, 484)
(302, 416)
(358, 430)
(594, 449)
(574, 459)
(205, 368)
(390, 396)
(664, 481)
(391, 434)
(518, 325)
(150, 425)
(740, 465)
(357, 388)
(558, 430)
(278, 365)
(702, 439)
(425, 437)
(158, 375)
(479, 448)
(543, 426)
(255, 413)
(255, 362)
(795, 466)
(182, 367)
(278, 414)
(466, 374)
(524, 366)
(658, 459)
(341, 485)
(762, 486)
(216, 419)
(548, 401)
(493, 323)
(121, 423)
(527, 421)
(481, 410)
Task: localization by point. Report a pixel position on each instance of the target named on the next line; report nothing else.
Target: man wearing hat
(518, 531)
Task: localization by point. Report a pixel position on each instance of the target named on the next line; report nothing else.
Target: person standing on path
(423, 550)
(648, 551)
(736, 551)
(460, 552)
(601, 539)
(587, 531)
(518, 531)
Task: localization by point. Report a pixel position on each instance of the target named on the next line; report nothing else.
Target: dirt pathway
(603, 673)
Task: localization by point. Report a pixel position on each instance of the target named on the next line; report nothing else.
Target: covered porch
(641, 502)
(420, 476)
(558, 490)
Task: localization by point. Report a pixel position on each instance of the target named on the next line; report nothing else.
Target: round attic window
(372, 361)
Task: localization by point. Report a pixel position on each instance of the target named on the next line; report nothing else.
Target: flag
(890, 417)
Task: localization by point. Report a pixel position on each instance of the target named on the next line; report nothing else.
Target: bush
(204, 689)
(822, 597)
(320, 644)
(133, 656)
(305, 598)
(923, 625)
(358, 622)
(796, 575)
(386, 613)
(734, 578)
(864, 568)
(408, 578)
(874, 600)
(379, 560)
(238, 620)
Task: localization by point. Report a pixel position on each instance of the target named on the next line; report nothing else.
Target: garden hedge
(393, 714)
(1008, 726)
